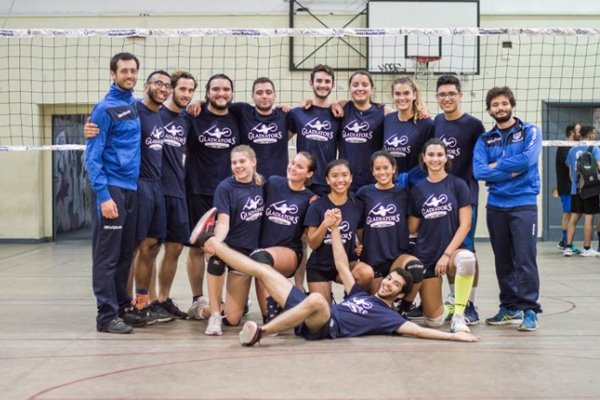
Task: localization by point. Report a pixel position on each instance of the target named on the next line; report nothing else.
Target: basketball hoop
(422, 64)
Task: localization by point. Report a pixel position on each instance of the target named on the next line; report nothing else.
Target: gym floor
(49, 347)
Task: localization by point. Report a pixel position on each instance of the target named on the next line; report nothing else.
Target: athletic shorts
(296, 297)
(565, 200)
(320, 275)
(178, 223)
(469, 242)
(591, 205)
(152, 218)
(198, 205)
(382, 270)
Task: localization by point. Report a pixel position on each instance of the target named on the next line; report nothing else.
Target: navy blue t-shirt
(437, 205)
(244, 203)
(385, 234)
(152, 142)
(321, 258)
(404, 140)
(316, 131)
(176, 128)
(460, 136)
(360, 136)
(209, 144)
(285, 210)
(363, 314)
(267, 135)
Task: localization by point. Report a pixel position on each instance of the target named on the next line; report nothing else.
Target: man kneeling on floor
(311, 315)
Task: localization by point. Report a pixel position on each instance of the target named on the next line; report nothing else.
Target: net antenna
(422, 67)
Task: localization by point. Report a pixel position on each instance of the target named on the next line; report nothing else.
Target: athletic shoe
(471, 314)
(117, 325)
(195, 310)
(561, 245)
(133, 318)
(576, 251)
(247, 307)
(215, 323)
(415, 314)
(459, 324)
(588, 253)
(505, 317)
(162, 315)
(205, 228)
(250, 334)
(529, 323)
(273, 310)
(170, 306)
(568, 251)
(449, 307)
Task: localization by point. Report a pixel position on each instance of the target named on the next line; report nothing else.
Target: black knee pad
(215, 266)
(227, 323)
(415, 267)
(262, 256)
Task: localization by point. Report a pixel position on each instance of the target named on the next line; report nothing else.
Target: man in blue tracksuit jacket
(506, 158)
(113, 162)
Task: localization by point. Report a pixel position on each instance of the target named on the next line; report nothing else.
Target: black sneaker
(415, 314)
(205, 228)
(133, 318)
(147, 314)
(273, 310)
(117, 325)
(170, 307)
(162, 315)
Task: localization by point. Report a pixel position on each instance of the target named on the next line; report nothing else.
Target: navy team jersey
(363, 314)
(209, 144)
(404, 140)
(385, 234)
(267, 135)
(316, 130)
(152, 142)
(322, 257)
(244, 204)
(361, 135)
(437, 205)
(285, 209)
(176, 128)
(460, 137)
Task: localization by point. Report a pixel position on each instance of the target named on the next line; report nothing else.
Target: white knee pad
(435, 322)
(465, 261)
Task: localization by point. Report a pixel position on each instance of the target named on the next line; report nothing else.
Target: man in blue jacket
(113, 162)
(506, 158)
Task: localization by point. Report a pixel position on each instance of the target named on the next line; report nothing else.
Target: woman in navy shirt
(441, 215)
(240, 205)
(320, 268)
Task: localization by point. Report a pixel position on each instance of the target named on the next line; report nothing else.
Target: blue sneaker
(505, 317)
(529, 323)
(471, 314)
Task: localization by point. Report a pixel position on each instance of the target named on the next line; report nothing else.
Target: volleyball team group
(385, 199)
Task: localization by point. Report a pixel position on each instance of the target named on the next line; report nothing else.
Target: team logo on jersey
(381, 216)
(156, 138)
(517, 137)
(345, 233)
(357, 132)
(451, 149)
(397, 146)
(317, 130)
(265, 134)
(217, 138)
(436, 207)
(253, 209)
(282, 213)
(358, 306)
(174, 135)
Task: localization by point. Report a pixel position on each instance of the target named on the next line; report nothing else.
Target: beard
(178, 103)
(320, 96)
(216, 106)
(503, 119)
(152, 96)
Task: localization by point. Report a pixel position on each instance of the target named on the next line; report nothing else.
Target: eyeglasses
(450, 95)
(161, 84)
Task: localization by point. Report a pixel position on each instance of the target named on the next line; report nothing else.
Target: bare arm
(317, 234)
(221, 230)
(413, 225)
(410, 328)
(339, 256)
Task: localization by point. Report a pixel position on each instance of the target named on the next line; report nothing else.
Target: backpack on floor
(588, 180)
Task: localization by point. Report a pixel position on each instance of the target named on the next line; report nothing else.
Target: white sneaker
(195, 310)
(568, 251)
(459, 324)
(250, 334)
(588, 253)
(215, 323)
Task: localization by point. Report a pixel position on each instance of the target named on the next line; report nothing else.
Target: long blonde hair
(418, 103)
(249, 152)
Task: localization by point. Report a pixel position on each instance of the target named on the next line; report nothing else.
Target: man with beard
(212, 135)
(112, 160)
(506, 158)
(311, 315)
(316, 127)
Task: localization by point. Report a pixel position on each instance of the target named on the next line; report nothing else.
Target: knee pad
(262, 256)
(435, 322)
(215, 266)
(415, 267)
(226, 322)
(464, 261)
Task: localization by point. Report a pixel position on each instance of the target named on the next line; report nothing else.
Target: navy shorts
(319, 275)
(296, 297)
(382, 270)
(178, 225)
(198, 205)
(152, 217)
